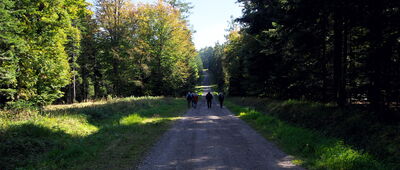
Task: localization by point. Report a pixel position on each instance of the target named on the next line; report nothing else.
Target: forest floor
(214, 139)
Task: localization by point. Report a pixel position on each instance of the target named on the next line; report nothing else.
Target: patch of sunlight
(209, 86)
(286, 162)
(137, 119)
(131, 119)
(100, 102)
(75, 105)
(341, 155)
(297, 162)
(74, 125)
(200, 87)
(133, 98)
(153, 120)
(242, 114)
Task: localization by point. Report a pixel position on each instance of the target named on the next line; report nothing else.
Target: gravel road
(214, 139)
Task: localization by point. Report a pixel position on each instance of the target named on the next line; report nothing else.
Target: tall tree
(166, 40)
(329, 51)
(112, 16)
(44, 67)
(9, 47)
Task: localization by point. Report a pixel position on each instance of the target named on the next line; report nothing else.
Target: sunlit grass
(110, 134)
(312, 149)
(74, 125)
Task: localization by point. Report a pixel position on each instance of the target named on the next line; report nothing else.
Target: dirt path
(214, 139)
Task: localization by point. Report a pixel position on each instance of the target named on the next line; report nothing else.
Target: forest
(329, 66)
(66, 51)
(96, 86)
(341, 52)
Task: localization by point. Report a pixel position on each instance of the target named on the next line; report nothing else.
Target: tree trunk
(375, 60)
(338, 72)
(323, 56)
(97, 77)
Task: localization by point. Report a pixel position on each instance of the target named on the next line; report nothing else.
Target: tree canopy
(60, 48)
(346, 52)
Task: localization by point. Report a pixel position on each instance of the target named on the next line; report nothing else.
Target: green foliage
(45, 69)
(328, 51)
(166, 41)
(353, 125)
(212, 58)
(143, 49)
(34, 51)
(52, 49)
(100, 135)
(312, 149)
(183, 7)
(8, 48)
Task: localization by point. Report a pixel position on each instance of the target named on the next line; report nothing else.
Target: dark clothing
(208, 103)
(189, 98)
(209, 98)
(221, 98)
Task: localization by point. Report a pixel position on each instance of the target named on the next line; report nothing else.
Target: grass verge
(102, 135)
(312, 149)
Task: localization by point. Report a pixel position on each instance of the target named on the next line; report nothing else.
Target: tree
(166, 42)
(112, 16)
(326, 51)
(43, 67)
(9, 45)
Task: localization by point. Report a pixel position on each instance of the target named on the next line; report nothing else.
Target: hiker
(221, 98)
(209, 98)
(189, 98)
(195, 100)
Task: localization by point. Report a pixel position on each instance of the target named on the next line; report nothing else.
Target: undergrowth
(312, 148)
(100, 135)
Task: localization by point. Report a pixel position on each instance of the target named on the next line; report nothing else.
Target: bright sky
(209, 19)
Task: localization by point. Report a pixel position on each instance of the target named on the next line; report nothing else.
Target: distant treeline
(346, 52)
(69, 50)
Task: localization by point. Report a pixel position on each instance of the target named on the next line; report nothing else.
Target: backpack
(221, 97)
(209, 96)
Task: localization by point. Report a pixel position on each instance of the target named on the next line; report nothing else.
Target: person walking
(189, 98)
(221, 98)
(209, 98)
(195, 100)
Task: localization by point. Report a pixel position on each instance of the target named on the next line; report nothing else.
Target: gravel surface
(214, 139)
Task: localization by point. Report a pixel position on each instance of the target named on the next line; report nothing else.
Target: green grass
(100, 135)
(312, 149)
(355, 125)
